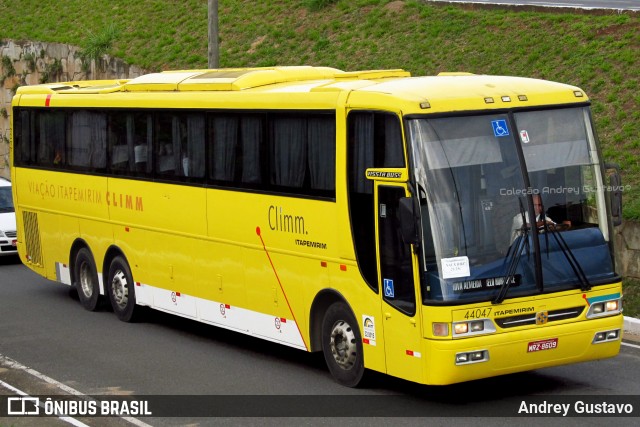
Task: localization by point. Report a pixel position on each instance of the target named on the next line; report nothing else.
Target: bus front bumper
(453, 361)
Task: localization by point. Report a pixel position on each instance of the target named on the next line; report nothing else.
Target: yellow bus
(380, 218)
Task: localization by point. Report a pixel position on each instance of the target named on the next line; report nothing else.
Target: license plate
(542, 345)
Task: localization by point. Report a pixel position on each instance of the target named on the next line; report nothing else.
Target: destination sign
(484, 284)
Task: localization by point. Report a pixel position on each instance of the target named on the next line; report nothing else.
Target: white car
(7, 220)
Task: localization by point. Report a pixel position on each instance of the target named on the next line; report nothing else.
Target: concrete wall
(39, 69)
(627, 243)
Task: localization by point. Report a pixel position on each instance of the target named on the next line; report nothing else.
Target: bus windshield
(479, 180)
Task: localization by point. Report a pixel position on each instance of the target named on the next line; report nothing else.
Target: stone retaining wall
(627, 243)
(29, 63)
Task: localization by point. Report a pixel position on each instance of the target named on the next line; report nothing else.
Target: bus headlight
(611, 305)
(606, 336)
(472, 357)
(473, 327)
(605, 308)
(464, 327)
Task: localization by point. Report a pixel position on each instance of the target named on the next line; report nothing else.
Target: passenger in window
(165, 158)
(185, 165)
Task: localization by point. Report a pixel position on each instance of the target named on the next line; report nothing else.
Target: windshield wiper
(521, 242)
(568, 254)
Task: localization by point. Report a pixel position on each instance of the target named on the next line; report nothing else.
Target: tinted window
(375, 141)
(276, 152)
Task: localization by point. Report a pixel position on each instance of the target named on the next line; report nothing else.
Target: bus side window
(23, 137)
(288, 151)
(223, 131)
(192, 148)
(322, 153)
(374, 140)
(252, 145)
(139, 131)
(119, 156)
(51, 137)
(166, 131)
(88, 140)
(117, 142)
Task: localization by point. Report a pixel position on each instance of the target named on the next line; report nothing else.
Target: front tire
(86, 279)
(121, 290)
(342, 345)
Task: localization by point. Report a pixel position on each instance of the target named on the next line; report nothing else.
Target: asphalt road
(50, 345)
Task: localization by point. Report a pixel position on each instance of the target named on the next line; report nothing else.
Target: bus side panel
(288, 242)
(54, 208)
(162, 232)
(157, 207)
(222, 277)
(276, 297)
(29, 242)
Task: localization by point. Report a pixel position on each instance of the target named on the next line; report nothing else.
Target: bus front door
(400, 313)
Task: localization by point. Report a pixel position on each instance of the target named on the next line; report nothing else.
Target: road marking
(631, 345)
(8, 362)
(66, 419)
(544, 3)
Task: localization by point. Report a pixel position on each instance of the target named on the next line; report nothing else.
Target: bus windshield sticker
(389, 292)
(524, 137)
(455, 267)
(500, 128)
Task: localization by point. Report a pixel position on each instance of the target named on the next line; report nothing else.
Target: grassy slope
(599, 53)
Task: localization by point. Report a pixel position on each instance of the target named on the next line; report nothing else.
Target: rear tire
(342, 345)
(121, 290)
(86, 279)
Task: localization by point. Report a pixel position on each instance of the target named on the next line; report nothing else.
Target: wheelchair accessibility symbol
(500, 128)
(389, 291)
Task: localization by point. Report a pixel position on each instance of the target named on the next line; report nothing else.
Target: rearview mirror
(615, 192)
(408, 221)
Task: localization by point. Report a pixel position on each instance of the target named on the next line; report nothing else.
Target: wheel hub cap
(343, 345)
(86, 285)
(120, 289)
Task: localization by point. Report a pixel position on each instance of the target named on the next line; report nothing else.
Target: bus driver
(540, 218)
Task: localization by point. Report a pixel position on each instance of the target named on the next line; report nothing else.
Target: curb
(631, 326)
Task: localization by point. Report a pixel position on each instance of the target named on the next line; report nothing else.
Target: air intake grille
(32, 238)
(530, 319)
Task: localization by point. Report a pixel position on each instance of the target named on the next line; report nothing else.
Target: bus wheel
(342, 345)
(120, 288)
(86, 279)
